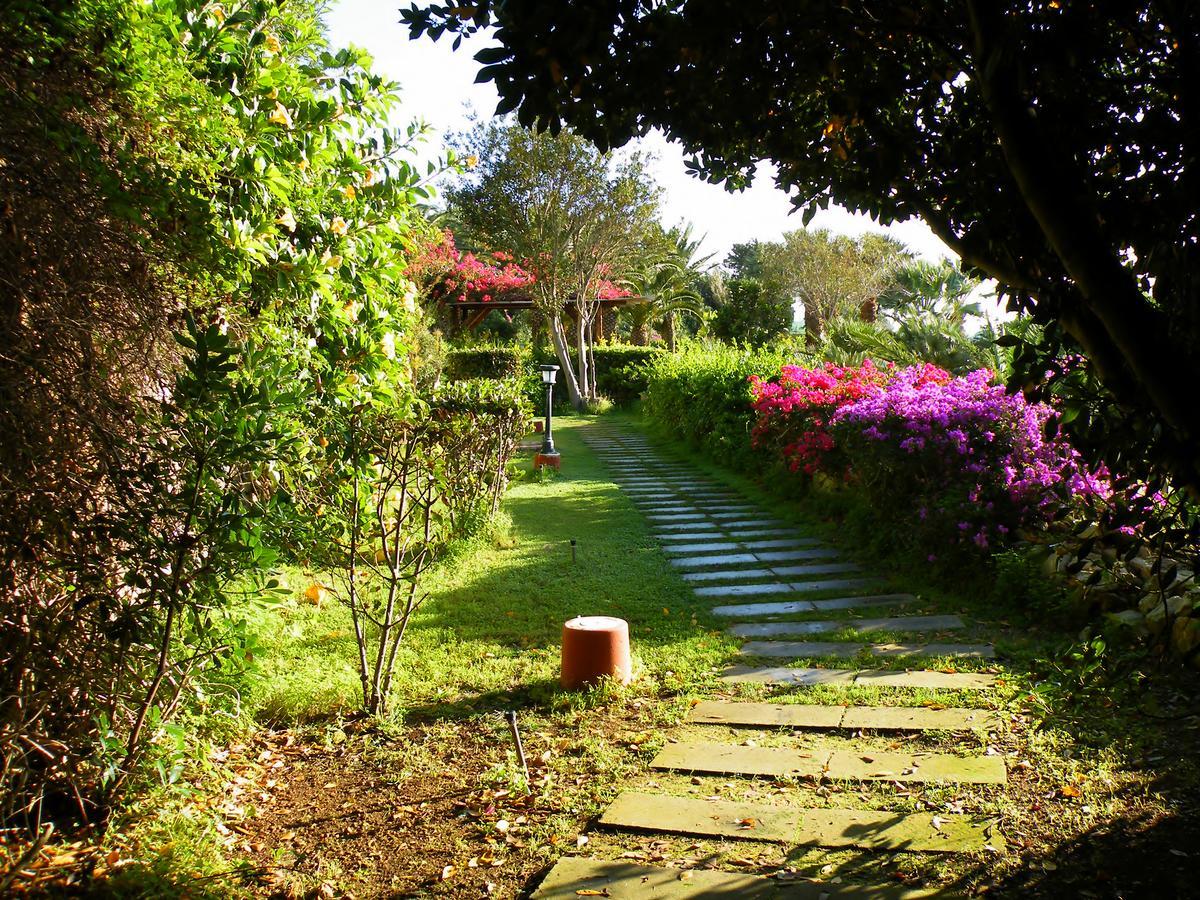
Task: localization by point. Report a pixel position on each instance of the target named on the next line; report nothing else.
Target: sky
(438, 87)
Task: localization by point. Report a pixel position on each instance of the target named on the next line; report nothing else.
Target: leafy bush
(752, 313)
(702, 396)
(486, 362)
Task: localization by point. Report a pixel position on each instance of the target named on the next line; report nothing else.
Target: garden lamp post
(549, 374)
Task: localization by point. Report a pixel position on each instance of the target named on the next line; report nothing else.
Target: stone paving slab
(917, 832)
(796, 715)
(753, 523)
(718, 559)
(574, 876)
(836, 765)
(785, 675)
(725, 575)
(675, 517)
(846, 649)
(782, 543)
(686, 815)
(893, 623)
(849, 765)
(918, 718)
(920, 678)
(684, 526)
(951, 681)
(790, 607)
(742, 590)
(850, 649)
(702, 547)
(821, 827)
(795, 587)
(872, 600)
(834, 568)
(877, 718)
(734, 759)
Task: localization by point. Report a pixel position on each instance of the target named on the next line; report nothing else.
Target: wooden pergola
(469, 314)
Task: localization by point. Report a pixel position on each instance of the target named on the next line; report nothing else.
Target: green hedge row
(621, 371)
(702, 396)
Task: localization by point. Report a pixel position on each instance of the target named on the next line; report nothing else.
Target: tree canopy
(1050, 145)
(573, 216)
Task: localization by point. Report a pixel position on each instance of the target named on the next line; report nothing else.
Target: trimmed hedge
(621, 371)
(486, 362)
(702, 396)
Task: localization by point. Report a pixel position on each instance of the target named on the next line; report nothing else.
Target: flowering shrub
(449, 275)
(794, 411)
(944, 460)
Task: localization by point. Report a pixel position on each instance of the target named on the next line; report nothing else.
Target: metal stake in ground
(511, 715)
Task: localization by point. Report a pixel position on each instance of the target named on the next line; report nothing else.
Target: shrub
(945, 461)
(703, 396)
(486, 362)
(621, 374)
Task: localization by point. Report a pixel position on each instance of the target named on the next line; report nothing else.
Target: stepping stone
(879, 718)
(921, 678)
(698, 536)
(835, 584)
(726, 575)
(783, 675)
(868, 829)
(950, 681)
(808, 568)
(849, 649)
(862, 602)
(733, 513)
(852, 765)
(796, 554)
(573, 876)
(895, 623)
(716, 559)
(709, 547)
(795, 715)
(683, 526)
(836, 765)
(754, 523)
(742, 590)
(734, 759)
(918, 718)
(795, 587)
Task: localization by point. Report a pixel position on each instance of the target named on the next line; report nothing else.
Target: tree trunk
(559, 338)
(585, 380)
(668, 323)
(812, 325)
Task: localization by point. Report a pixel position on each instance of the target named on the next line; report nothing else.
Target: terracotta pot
(594, 647)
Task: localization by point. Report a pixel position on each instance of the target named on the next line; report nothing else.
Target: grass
(308, 798)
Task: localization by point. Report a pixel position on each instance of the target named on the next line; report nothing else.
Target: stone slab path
(729, 548)
(573, 877)
(796, 715)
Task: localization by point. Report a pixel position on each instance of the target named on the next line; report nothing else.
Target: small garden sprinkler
(572, 549)
(511, 715)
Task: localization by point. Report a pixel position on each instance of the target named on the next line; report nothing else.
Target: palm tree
(930, 289)
(666, 286)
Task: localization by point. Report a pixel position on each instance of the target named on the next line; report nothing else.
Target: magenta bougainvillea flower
(958, 459)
